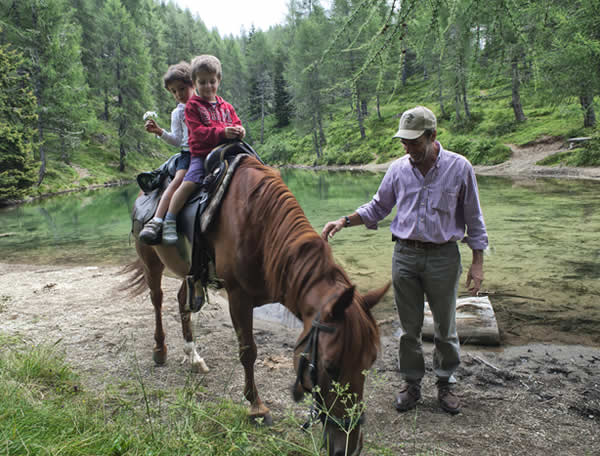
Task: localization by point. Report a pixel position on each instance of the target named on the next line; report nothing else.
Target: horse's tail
(136, 284)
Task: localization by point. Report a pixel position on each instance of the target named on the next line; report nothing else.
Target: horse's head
(337, 345)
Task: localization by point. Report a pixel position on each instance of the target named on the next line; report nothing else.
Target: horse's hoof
(200, 367)
(159, 357)
(262, 420)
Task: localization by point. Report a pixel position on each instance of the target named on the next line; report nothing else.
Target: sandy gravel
(537, 399)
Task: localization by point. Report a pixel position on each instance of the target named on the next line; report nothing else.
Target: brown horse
(266, 251)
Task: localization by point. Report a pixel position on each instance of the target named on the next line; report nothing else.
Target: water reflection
(543, 238)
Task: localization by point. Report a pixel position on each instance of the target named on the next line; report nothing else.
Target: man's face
(420, 148)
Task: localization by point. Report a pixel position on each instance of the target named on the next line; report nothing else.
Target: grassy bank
(45, 410)
(484, 139)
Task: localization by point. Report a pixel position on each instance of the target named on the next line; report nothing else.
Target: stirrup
(195, 294)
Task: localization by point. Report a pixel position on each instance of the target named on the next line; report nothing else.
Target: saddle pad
(213, 206)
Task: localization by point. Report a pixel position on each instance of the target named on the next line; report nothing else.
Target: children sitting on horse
(178, 81)
(211, 121)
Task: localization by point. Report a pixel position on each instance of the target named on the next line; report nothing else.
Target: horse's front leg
(195, 360)
(240, 309)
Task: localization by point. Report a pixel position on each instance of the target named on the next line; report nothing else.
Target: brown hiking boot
(408, 397)
(448, 400)
(151, 233)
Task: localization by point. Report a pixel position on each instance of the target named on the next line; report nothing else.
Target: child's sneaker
(169, 236)
(151, 232)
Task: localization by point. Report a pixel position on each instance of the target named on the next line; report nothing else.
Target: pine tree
(281, 97)
(17, 120)
(126, 75)
(44, 31)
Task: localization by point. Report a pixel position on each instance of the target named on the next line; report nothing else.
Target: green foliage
(17, 114)
(479, 151)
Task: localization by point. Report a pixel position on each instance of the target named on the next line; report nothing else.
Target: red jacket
(206, 123)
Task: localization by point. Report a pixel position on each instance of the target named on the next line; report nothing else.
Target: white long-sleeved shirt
(178, 136)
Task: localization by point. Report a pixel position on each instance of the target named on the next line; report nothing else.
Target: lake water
(542, 266)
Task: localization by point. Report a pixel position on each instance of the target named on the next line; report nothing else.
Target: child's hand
(235, 132)
(152, 127)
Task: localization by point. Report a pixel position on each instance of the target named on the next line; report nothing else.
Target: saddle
(200, 210)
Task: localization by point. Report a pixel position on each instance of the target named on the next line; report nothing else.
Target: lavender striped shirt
(432, 208)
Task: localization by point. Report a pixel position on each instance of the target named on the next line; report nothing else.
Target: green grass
(45, 410)
(484, 139)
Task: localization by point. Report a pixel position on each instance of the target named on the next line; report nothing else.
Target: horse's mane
(295, 257)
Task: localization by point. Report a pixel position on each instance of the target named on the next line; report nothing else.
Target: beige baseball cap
(414, 122)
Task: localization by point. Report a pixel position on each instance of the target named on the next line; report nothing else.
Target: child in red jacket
(211, 121)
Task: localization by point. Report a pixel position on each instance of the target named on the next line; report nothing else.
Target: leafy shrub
(357, 157)
(274, 151)
(480, 152)
(459, 144)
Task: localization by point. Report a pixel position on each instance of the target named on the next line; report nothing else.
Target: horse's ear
(335, 310)
(374, 296)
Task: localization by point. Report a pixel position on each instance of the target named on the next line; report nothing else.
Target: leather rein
(316, 411)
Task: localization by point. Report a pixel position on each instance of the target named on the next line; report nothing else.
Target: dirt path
(535, 399)
(524, 159)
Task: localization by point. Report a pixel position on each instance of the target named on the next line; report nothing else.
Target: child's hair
(206, 64)
(179, 72)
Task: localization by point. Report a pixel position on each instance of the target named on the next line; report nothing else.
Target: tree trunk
(40, 123)
(463, 85)
(359, 115)
(322, 138)
(516, 94)
(378, 110)
(122, 154)
(457, 101)
(106, 104)
(40, 131)
(364, 108)
(404, 68)
(262, 117)
(440, 88)
(122, 123)
(589, 115)
(316, 139)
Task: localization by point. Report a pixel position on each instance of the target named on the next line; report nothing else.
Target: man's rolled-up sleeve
(382, 203)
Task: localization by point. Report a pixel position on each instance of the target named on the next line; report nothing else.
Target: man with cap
(435, 192)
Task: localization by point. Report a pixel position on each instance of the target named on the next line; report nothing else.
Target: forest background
(324, 88)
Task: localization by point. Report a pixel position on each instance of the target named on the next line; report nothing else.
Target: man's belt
(418, 244)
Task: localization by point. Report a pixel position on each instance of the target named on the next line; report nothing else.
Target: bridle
(312, 342)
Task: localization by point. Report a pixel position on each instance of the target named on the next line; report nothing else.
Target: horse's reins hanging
(312, 343)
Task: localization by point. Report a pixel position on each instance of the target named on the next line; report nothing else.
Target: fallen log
(475, 321)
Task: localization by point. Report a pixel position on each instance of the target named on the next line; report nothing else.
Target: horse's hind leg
(153, 269)
(195, 360)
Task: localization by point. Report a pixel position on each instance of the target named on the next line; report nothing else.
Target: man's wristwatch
(346, 220)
